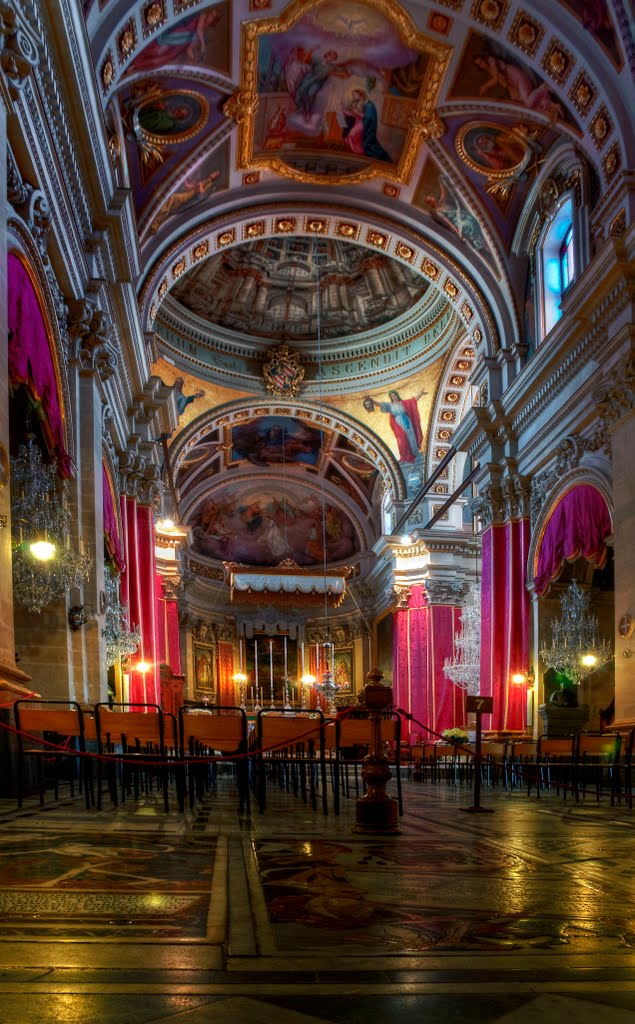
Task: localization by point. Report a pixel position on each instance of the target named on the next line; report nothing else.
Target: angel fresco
(491, 71)
(439, 198)
(183, 43)
(192, 191)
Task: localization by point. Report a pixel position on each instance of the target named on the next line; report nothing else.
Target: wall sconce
(80, 614)
(525, 678)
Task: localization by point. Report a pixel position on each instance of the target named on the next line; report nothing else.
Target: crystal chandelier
(464, 669)
(576, 649)
(45, 564)
(121, 641)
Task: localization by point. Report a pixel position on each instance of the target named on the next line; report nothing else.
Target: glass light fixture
(121, 641)
(464, 669)
(45, 563)
(576, 649)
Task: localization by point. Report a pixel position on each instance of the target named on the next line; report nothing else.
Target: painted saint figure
(360, 131)
(404, 421)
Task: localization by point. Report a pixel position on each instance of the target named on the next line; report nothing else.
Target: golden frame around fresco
(423, 122)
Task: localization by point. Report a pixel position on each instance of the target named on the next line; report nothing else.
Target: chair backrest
(605, 744)
(275, 729)
(142, 723)
(218, 727)
(556, 746)
(39, 716)
(524, 749)
(354, 732)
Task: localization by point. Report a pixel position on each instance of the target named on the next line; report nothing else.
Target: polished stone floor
(131, 916)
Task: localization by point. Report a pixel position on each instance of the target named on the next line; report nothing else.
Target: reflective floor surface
(131, 915)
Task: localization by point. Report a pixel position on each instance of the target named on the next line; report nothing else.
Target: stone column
(617, 412)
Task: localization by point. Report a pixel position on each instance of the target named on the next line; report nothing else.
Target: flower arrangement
(455, 735)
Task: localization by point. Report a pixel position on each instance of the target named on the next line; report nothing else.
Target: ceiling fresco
(347, 179)
(255, 526)
(268, 289)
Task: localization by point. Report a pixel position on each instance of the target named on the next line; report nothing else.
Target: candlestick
(285, 657)
(303, 657)
(240, 652)
(256, 665)
(273, 704)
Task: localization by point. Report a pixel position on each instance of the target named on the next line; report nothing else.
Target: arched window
(557, 264)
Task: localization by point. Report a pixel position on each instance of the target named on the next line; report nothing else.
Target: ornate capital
(517, 493)
(446, 591)
(172, 586)
(402, 594)
(91, 330)
(18, 47)
(240, 105)
(614, 395)
(490, 504)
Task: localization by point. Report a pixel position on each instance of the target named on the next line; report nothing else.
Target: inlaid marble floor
(131, 915)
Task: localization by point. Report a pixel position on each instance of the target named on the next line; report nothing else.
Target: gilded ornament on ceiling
(526, 33)
(224, 238)
(583, 93)
(283, 373)
(490, 12)
(558, 61)
(502, 155)
(612, 161)
(601, 127)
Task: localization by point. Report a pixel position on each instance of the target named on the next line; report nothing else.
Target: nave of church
(316, 415)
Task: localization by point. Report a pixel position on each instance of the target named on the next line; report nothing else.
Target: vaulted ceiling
(346, 179)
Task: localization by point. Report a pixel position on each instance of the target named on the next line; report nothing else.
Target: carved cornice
(614, 396)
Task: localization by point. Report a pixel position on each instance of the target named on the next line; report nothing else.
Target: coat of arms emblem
(283, 373)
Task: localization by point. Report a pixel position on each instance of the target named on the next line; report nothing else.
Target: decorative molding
(402, 593)
(19, 47)
(446, 591)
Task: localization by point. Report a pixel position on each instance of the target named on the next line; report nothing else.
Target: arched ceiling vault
(349, 180)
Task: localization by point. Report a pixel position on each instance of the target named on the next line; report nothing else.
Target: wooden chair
(290, 747)
(596, 760)
(353, 737)
(522, 769)
(555, 760)
(493, 766)
(209, 734)
(52, 733)
(131, 743)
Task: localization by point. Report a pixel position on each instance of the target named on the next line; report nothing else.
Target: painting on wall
(437, 197)
(487, 147)
(200, 39)
(339, 80)
(343, 669)
(255, 527)
(204, 667)
(276, 441)
(491, 71)
(405, 421)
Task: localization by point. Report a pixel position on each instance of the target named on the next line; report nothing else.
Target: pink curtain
(578, 525)
(226, 686)
(505, 614)
(168, 633)
(423, 639)
(137, 586)
(111, 526)
(30, 356)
